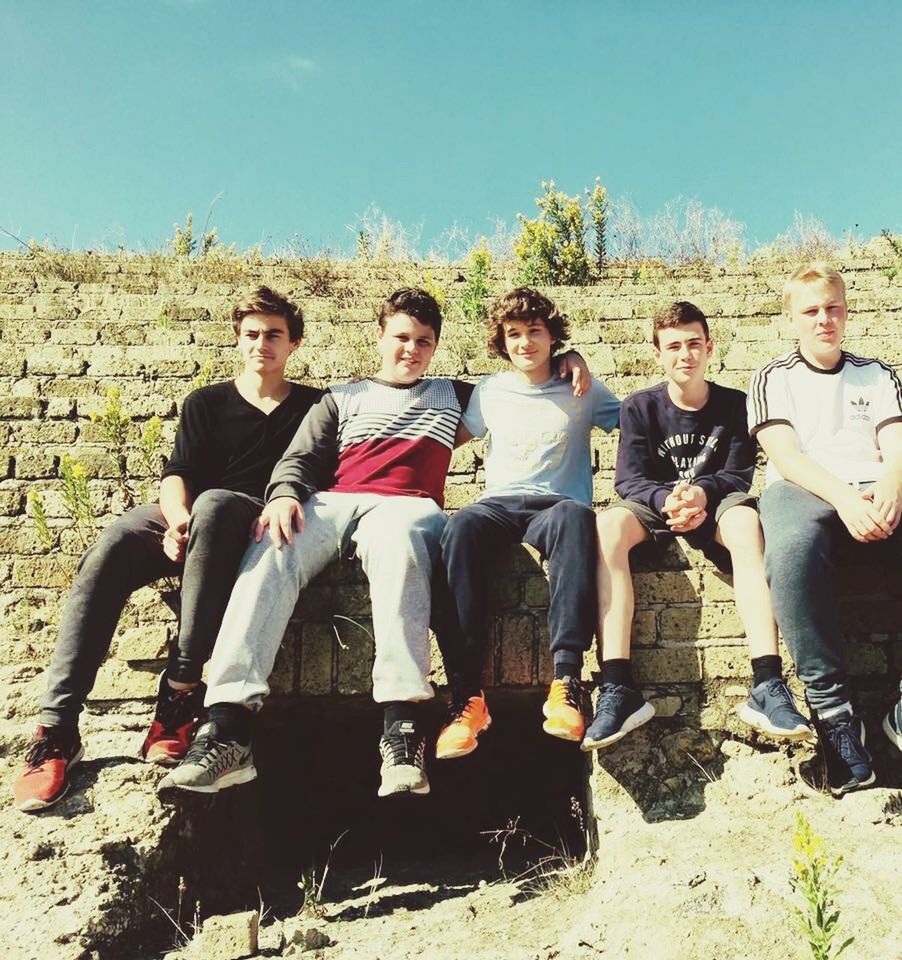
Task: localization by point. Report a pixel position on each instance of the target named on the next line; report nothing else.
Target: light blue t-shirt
(538, 434)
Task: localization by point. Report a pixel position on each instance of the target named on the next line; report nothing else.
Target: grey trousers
(397, 538)
(801, 534)
(128, 555)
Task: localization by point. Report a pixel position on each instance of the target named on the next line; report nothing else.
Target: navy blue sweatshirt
(660, 444)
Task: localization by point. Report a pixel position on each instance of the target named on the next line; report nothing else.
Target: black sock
(400, 710)
(232, 721)
(766, 668)
(617, 671)
(567, 663)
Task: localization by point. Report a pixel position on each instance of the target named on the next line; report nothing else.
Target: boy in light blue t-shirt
(538, 491)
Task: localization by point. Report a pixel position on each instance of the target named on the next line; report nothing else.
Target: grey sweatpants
(397, 539)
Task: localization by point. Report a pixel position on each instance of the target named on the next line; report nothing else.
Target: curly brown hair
(525, 305)
(268, 301)
(416, 303)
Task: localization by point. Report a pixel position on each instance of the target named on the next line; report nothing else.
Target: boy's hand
(571, 364)
(687, 519)
(282, 517)
(887, 498)
(862, 517)
(175, 541)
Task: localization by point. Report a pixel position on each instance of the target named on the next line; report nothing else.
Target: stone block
(865, 659)
(356, 651)
(56, 360)
(12, 361)
(667, 665)
(726, 662)
(230, 937)
(34, 466)
(690, 623)
(666, 587)
(19, 407)
(644, 631)
(145, 642)
(44, 571)
(535, 591)
(518, 649)
(284, 677)
(28, 433)
(117, 680)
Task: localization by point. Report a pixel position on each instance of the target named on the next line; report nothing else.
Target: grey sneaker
(618, 711)
(892, 725)
(771, 709)
(211, 764)
(403, 754)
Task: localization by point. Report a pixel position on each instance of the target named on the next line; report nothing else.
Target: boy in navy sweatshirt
(684, 467)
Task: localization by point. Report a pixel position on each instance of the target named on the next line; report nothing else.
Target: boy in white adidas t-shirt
(831, 426)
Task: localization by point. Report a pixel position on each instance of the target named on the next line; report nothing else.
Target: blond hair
(813, 272)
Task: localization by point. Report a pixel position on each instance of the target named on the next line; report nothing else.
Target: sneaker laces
(565, 692)
(209, 752)
(177, 708)
(51, 745)
(461, 710)
(609, 699)
(403, 748)
(847, 743)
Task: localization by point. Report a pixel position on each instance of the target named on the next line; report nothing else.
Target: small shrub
(598, 211)
(552, 248)
(435, 288)
(77, 497)
(204, 376)
(34, 507)
(476, 287)
(812, 878)
(185, 244)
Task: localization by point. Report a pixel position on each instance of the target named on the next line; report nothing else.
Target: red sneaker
(45, 773)
(174, 723)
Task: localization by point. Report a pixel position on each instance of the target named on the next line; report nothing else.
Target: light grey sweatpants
(397, 539)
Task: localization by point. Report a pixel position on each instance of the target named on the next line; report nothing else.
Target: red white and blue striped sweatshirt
(371, 436)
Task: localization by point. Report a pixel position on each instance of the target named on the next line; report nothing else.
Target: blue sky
(118, 118)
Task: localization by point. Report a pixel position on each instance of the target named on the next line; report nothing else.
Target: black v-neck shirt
(226, 443)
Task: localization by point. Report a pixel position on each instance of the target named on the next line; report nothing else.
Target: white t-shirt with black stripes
(836, 413)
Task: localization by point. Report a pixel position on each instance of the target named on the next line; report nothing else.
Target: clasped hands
(685, 507)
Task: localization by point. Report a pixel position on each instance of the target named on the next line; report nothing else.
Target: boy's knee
(214, 505)
(618, 529)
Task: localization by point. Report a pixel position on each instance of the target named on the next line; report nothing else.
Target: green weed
(34, 507)
(476, 287)
(552, 248)
(812, 878)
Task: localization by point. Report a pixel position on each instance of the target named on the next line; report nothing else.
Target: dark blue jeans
(561, 529)
(801, 536)
(128, 555)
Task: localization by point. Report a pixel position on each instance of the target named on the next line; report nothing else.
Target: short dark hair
(526, 305)
(268, 301)
(415, 303)
(678, 314)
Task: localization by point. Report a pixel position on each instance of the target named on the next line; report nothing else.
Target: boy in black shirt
(684, 466)
(229, 438)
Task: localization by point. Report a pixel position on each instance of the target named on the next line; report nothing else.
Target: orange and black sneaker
(458, 736)
(44, 778)
(174, 723)
(564, 710)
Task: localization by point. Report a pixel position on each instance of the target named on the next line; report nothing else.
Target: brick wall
(73, 326)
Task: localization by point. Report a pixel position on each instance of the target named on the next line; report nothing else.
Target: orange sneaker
(563, 710)
(458, 736)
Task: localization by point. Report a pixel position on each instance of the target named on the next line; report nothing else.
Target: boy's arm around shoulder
(309, 462)
(605, 405)
(634, 478)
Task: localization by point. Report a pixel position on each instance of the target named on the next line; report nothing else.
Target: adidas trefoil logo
(860, 409)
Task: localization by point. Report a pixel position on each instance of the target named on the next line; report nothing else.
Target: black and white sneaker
(771, 709)
(892, 725)
(618, 710)
(403, 752)
(211, 764)
(848, 763)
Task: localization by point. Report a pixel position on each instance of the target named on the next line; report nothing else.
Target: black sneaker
(772, 710)
(892, 725)
(211, 764)
(173, 725)
(618, 711)
(403, 752)
(847, 761)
